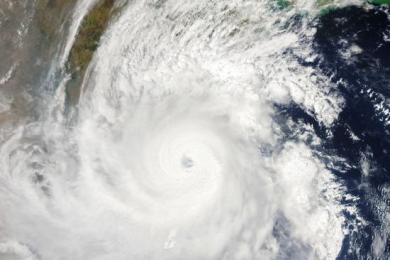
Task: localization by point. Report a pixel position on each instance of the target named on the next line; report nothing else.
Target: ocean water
(204, 130)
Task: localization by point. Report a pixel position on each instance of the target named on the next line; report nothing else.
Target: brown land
(87, 41)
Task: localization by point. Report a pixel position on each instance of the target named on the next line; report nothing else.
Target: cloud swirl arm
(176, 150)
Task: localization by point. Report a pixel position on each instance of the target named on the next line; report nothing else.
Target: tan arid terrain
(28, 47)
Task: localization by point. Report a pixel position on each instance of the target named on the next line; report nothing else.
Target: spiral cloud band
(176, 151)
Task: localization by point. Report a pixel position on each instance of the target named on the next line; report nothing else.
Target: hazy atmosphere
(171, 129)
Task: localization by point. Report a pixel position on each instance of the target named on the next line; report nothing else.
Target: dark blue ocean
(364, 82)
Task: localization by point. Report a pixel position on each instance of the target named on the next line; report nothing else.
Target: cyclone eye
(187, 162)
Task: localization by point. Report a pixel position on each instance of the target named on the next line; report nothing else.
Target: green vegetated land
(52, 16)
(379, 2)
(88, 37)
(93, 26)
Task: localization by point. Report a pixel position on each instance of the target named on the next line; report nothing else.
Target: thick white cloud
(165, 158)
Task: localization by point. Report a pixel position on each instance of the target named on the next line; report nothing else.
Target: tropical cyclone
(175, 149)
